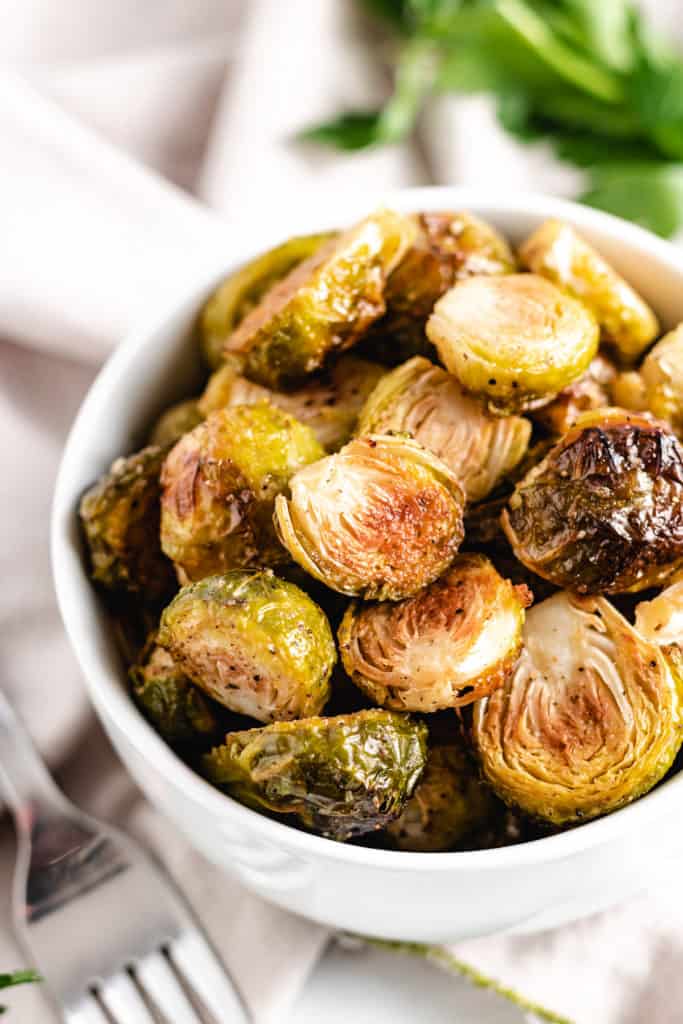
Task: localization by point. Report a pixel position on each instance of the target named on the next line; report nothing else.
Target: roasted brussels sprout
(449, 803)
(660, 620)
(380, 519)
(424, 401)
(340, 776)
(243, 290)
(662, 376)
(328, 403)
(219, 485)
(448, 247)
(176, 421)
(449, 645)
(255, 643)
(324, 305)
(627, 391)
(179, 712)
(120, 517)
(557, 252)
(592, 391)
(517, 339)
(603, 512)
(589, 720)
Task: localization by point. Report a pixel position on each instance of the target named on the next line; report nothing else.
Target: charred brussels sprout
(175, 707)
(589, 720)
(603, 512)
(450, 802)
(219, 485)
(324, 305)
(243, 290)
(592, 391)
(662, 377)
(557, 252)
(517, 340)
(340, 776)
(450, 644)
(256, 644)
(380, 519)
(120, 517)
(328, 403)
(176, 421)
(424, 401)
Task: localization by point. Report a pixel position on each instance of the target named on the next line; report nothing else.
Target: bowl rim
(110, 699)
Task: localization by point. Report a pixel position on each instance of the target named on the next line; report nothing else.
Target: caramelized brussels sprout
(255, 643)
(179, 712)
(449, 645)
(424, 401)
(323, 305)
(592, 391)
(380, 519)
(120, 518)
(662, 376)
(243, 290)
(340, 776)
(449, 803)
(603, 512)
(589, 720)
(176, 421)
(517, 339)
(219, 485)
(329, 403)
(557, 252)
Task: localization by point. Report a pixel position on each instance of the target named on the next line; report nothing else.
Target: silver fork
(113, 939)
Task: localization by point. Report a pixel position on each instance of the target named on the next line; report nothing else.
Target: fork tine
(86, 1012)
(198, 964)
(123, 1001)
(156, 977)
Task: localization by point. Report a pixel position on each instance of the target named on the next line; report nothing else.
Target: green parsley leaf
(648, 194)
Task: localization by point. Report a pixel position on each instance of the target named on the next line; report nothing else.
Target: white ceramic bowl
(392, 894)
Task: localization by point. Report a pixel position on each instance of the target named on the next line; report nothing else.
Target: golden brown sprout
(592, 391)
(628, 391)
(662, 376)
(424, 401)
(449, 645)
(590, 719)
(380, 519)
(517, 340)
(219, 486)
(557, 252)
(176, 421)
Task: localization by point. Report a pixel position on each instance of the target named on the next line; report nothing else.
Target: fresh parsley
(17, 978)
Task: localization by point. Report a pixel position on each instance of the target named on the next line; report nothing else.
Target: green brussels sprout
(380, 519)
(449, 645)
(219, 485)
(662, 377)
(244, 289)
(517, 340)
(603, 512)
(557, 252)
(329, 403)
(120, 518)
(589, 720)
(255, 643)
(448, 247)
(324, 305)
(174, 422)
(450, 802)
(592, 391)
(179, 711)
(424, 401)
(340, 776)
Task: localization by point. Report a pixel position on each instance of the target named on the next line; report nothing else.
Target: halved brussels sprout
(448, 247)
(219, 485)
(424, 401)
(176, 421)
(592, 391)
(449, 645)
(590, 719)
(662, 376)
(324, 305)
(329, 403)
(255, 643)
(120, 517)
(517, 339)
(176, 708)
(603, 512)
(340, 776)
(380, 519)
(243, 290)
(557, 252)
(449, 803)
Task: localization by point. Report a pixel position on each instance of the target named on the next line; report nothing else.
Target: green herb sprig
(17, 978)
(589, 77)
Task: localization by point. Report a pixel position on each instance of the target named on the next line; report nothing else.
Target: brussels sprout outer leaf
(175, 707)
